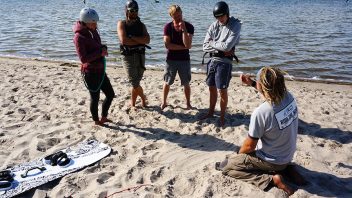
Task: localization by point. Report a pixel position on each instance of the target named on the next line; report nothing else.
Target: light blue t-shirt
(276, 126)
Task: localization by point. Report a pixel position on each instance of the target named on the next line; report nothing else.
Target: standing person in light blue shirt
(270, 145)
(220, 41)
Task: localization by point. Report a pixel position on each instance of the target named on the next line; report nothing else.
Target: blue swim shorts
(218, 74)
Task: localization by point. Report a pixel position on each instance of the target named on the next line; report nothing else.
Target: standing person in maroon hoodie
(92, 56)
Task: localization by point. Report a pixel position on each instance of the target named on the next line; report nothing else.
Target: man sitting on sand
(272, 135)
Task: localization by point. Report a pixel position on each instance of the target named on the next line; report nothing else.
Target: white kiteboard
(38, 172)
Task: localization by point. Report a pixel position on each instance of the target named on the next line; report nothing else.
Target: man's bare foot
(278, 181)
(98, 123)
(162, 106)
(144, 101)
(189, 107)
(104, 119)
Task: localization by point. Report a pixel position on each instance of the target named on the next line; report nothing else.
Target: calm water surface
(307, 38)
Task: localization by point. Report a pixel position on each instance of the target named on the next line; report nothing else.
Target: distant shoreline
(237, 74)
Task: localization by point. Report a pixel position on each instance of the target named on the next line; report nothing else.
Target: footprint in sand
(32, 118)
(156, 174)
(170, 188)
(102, 178)
(47, 143)
(151, 147)
(129, 174)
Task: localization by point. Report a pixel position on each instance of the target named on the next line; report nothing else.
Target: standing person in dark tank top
(133, 36)
(178, 40)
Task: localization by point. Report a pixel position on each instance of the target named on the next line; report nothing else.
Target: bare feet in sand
(144, 101)
(104, 119)
(98, 123)
(189, 107)
(162, 106)
(278, 181)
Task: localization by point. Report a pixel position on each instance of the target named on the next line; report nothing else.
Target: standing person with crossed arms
(220, 41)
(133, 36)
(178, 40)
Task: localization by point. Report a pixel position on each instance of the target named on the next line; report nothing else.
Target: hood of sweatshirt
(80, 28)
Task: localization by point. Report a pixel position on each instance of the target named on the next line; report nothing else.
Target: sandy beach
(170, 153)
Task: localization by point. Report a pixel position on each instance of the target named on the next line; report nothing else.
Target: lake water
(307, 38)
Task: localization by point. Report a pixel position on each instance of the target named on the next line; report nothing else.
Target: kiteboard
(29, 175)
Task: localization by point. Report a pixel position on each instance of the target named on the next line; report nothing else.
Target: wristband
(254, 84)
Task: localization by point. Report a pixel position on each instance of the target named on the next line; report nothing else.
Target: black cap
(221, 8)
(132, 5)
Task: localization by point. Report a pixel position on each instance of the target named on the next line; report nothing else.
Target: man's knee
(169, 78)
(223, 92)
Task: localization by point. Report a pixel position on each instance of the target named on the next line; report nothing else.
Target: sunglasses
(133, 10)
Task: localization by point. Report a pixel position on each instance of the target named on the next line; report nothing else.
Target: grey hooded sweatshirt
(222, 37)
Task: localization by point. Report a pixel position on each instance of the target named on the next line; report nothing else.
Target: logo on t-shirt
(287, 115)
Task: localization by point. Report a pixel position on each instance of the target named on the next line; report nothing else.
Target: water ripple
(307, 38)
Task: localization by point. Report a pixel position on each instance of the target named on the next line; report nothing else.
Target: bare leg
(187, 90)
(223, 105)
(143, 97)
(278, 181)
(166, 89)
(212, 102)
(134, 94)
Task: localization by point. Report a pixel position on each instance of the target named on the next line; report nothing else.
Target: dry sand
(44, 108)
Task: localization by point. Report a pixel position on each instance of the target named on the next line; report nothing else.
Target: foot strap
(6, 179)
(60, 158)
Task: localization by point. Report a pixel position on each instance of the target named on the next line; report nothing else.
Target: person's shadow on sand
(324, 184)
(312, 129)
(202, 142)
(231, 120)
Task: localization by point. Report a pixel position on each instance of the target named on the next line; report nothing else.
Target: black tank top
(134, 28)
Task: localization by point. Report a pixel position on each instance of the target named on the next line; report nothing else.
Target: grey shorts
(183, 68)
(134, 66)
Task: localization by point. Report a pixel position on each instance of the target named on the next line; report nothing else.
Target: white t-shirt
(276, 126)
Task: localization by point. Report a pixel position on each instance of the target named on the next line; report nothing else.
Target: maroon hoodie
(88, 48)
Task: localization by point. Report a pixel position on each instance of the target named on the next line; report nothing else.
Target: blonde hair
(272, 83)
(173, 9)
